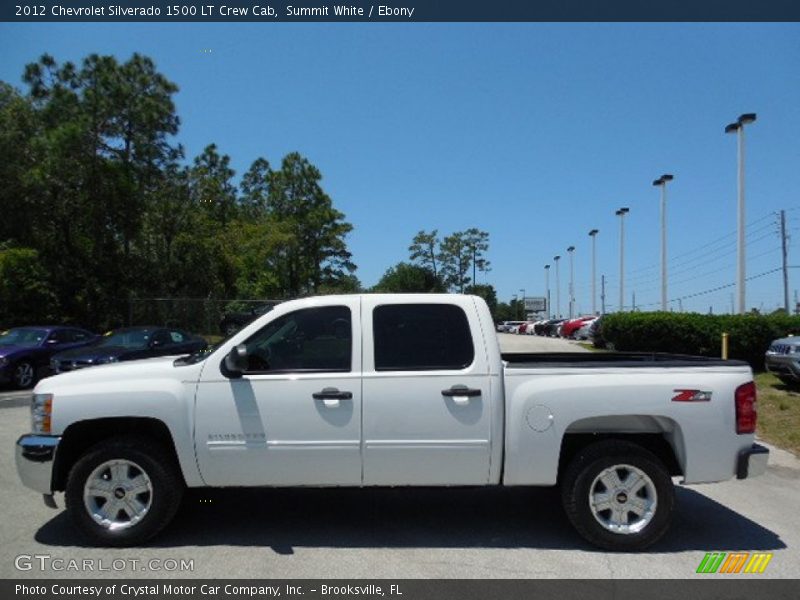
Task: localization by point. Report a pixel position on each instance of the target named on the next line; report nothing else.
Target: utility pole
(633, 302)
(593, 234)
(571, 249)
(547, 290)
(621, 214)
(558, 288)
(662, 183)
(785, 265)
(602, 294)
(738, 129)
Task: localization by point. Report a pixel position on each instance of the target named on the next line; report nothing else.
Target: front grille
(72, 365)
(781, 349)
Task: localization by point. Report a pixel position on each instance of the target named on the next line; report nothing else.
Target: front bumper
(35, 457)
(783, 365)
(752, 462)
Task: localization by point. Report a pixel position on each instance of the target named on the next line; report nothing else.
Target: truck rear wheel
(618, 495)
(123, 492)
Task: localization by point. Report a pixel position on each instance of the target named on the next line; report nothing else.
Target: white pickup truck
(389, 390)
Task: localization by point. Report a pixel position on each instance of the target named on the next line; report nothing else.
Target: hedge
(690, 333)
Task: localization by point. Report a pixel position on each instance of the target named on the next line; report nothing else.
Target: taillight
(746, 414)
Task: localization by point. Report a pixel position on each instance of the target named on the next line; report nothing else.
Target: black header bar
(402, 11)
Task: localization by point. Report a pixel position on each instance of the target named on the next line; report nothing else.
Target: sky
(535, 133)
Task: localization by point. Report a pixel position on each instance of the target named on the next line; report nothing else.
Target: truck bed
(527, 360)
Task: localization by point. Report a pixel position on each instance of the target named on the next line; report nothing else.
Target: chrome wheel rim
(118, 494)
(623, 499)
(24, 374)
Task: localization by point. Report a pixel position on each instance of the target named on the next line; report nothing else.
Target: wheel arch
(82, 435)
(660, 435)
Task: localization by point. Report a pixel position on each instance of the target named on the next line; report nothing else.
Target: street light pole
(662, 183)
(621, 214)
(593, 234)
(524, 312)
(547, 289)
(558, 288)
(738, 128)
(571, 249)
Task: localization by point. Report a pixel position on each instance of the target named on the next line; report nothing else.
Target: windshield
(131, 339)
(23, 337)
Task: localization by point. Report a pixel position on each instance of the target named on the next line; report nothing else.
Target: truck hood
(117, 373)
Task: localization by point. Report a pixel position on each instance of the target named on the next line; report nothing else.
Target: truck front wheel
(123, 492)
(618, 495)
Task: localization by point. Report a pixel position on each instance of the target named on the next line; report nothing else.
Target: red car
(569, 328)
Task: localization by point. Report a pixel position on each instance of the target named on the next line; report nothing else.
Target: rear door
(426, 406)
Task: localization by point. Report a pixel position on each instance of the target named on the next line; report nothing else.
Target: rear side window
(421, 337)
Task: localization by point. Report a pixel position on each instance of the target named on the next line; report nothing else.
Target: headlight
(41, 411)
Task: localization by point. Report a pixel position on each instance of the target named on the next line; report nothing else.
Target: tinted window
(62, 336)
(161, 338)
(314, 339)
(80, 336)
(177, 337)
(415, 337)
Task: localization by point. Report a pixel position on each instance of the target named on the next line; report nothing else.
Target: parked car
(569, 327)
(551, 329)
(585, 331)
(389, 390)
(234, 321)
(25, 352)
(596, 333)
(783, 359)
(129, 343)
(509, 326)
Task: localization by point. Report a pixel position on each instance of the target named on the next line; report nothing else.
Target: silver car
(783, 359)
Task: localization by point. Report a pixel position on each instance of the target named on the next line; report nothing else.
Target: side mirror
(235, 362)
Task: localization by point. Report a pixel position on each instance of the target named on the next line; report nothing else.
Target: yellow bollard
(724, 346)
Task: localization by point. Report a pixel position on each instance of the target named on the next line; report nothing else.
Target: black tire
(581, 482)
(151, 458)
(24, 375)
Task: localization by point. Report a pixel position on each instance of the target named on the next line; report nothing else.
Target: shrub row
(689, 333)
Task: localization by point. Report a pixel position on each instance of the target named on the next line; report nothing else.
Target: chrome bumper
(35, 457)
(752, 462)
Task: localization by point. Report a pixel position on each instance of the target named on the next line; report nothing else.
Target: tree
(255, 189)
(477, 243)
(317, 252)
(408, 278)
(455, 257)
(424, 250)
(25, 295)
(101, 138)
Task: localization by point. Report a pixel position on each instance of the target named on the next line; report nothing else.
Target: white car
(583, 333)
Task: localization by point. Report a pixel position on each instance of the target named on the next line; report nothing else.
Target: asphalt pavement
(397, 533)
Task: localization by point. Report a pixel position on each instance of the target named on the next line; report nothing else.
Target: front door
(294, 417)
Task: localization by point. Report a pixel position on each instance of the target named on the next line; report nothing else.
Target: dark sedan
(25, 352)
(129, 343)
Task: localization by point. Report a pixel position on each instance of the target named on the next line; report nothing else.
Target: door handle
(332, 394)
(461, 390)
